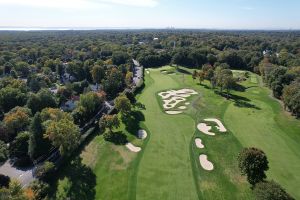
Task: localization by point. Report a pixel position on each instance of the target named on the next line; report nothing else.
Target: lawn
(165, 170)
(168, 165)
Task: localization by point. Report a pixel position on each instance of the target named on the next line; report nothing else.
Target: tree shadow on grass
(82, 178)
(83, 181)
(232, 96)
(183, 71)
(204, 85)
(118, 138)
(139, 90)
(238, 87)
(244, 104)
(132, 121)
(239, 101)
(251, 87)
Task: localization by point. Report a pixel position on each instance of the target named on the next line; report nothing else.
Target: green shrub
(3, 151)
(44, 170)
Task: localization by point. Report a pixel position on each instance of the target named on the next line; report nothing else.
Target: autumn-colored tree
(128, 78)
(201, 76)
(122, 104)
(63, 134)
(54, 114)
(13, 192)
(110, 122)
(17, 119)
(98, 73)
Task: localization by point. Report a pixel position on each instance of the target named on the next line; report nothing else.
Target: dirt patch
(208, 185)
(125, 158)
(90, 154)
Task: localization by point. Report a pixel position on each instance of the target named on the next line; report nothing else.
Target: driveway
(24, 175)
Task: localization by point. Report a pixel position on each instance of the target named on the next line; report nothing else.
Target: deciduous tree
(270, 190)
(253, 163)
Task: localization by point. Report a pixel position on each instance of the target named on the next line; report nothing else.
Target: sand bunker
(219, 126)
(133, 148)
(182, 107)
(170, 112)
(173, 97)
(172, 102)
(187, 103)
(198, 143)
(142, 134)
(179, 93)
(204, 128)
(206, 164)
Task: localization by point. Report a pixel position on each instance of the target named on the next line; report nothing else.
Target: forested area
(54, 82)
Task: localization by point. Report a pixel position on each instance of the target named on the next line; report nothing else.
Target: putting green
(165, 170)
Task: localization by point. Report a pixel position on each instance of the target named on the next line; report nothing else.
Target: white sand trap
(187, 103)
(198, 143)
(133, 148)
(220, 126)
(206, 164)
(173, 112)
(180, 93)
(172, 102)
(147, 72)
(142, 134)
(182, 107)
(172, 97)
(204, 128)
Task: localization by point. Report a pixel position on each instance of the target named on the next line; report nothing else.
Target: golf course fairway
(165, 170)
(168, 167)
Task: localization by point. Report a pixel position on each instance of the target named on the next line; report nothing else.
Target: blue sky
(221, 14)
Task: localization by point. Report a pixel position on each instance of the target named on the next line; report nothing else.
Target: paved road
(23, 175)
(138, 72)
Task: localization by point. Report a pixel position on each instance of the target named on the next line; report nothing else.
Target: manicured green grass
(275, 132)
(224, 182)
(168, 166)
(165, 170)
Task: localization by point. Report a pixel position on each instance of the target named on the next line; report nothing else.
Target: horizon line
(40, 28)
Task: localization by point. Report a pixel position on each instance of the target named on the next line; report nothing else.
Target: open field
(168, 166)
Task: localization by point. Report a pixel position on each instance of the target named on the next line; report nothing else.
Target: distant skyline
(197, 14)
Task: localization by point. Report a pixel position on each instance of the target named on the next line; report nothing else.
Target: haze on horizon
(213, 14)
